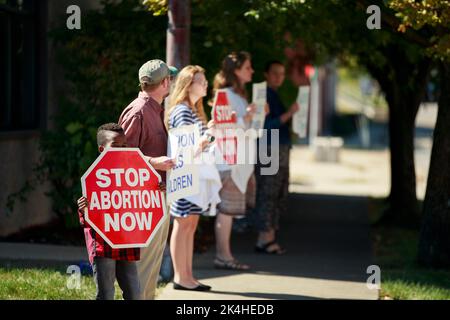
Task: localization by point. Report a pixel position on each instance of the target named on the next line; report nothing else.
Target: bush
(101, 63)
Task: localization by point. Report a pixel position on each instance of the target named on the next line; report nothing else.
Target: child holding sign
(186, 108)
(108, 263)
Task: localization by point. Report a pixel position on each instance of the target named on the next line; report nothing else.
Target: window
(19, 105)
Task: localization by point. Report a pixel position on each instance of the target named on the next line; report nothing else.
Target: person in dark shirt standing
(272, 190)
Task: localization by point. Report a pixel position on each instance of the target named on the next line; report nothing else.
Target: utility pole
(178, 33)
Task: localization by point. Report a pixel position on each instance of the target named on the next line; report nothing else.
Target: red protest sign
(228, 148)
(126, 207)
(222, 113)
(225, 122)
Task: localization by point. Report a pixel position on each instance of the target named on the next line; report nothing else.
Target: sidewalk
(358, 173)
(329, 252)
(40, 255)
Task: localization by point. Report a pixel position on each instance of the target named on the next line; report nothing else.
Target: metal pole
(314, 111)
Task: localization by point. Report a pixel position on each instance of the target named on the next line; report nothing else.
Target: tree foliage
(430, 15)
(100, 65)
(158, 7)
(433, 17)
(101, 60)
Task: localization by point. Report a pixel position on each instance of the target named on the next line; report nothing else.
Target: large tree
(399, 65)
(434, 17)
(333, 28)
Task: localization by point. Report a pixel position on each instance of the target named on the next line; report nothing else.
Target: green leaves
(430, 15)
(73, 127)
(158, 7)
(101, 60)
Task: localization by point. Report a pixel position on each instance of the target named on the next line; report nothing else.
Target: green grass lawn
(395, 251)
(43, 284)
(46, 284)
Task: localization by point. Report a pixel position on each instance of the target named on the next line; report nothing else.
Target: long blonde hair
(226, 76)
(180, 93)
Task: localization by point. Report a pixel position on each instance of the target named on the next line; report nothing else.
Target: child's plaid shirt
(97, 247)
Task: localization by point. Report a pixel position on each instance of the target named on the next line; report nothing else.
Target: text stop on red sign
(126, 207)
(225, 123)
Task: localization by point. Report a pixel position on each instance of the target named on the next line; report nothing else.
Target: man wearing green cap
(166, 272)
(143, 123)
(172, 72)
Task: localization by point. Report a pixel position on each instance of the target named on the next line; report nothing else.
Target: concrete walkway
(40, 255)
(329, 252)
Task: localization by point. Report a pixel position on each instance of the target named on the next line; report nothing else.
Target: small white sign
(300, 119)
(184, 179)
(260, 100)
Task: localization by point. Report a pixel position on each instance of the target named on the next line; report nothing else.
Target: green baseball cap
(154, 71)
(173, 71)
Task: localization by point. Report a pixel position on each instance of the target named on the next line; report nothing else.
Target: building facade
(30, 82)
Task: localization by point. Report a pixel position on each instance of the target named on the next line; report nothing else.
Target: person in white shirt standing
(238, 188)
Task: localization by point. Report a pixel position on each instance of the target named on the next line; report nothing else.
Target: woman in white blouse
(237, 195)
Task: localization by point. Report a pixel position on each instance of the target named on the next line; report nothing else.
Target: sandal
(230, 264)
(265, 248)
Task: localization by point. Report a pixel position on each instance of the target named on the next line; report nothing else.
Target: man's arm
(276, 122)
(272, 121)
(133, 130)
(285, 117)
(161, 163)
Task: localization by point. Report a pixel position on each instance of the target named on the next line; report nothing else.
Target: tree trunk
(404, 85)
(403, 200)
(434, 243)
(178, 34)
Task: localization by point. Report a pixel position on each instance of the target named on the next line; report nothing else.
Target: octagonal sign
(225, 125)
(125, 204)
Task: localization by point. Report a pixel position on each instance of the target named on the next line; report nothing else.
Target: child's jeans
(106, 271)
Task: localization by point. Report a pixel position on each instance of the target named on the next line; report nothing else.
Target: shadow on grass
(395, 251)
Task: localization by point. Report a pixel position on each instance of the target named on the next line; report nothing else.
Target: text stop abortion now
(142, 200)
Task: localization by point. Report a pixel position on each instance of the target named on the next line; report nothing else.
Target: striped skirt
(183, 208)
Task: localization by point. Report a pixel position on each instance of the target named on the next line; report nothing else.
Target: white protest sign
(300, 119)
(259, 99)
(184, 179)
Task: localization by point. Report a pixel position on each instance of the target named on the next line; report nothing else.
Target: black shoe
(177, 286)
(206, 287)
(265, 248)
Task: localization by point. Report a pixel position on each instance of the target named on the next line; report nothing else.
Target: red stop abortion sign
(225, 122)
(126, 207)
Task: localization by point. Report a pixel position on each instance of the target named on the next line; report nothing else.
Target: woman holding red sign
(237, 194)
